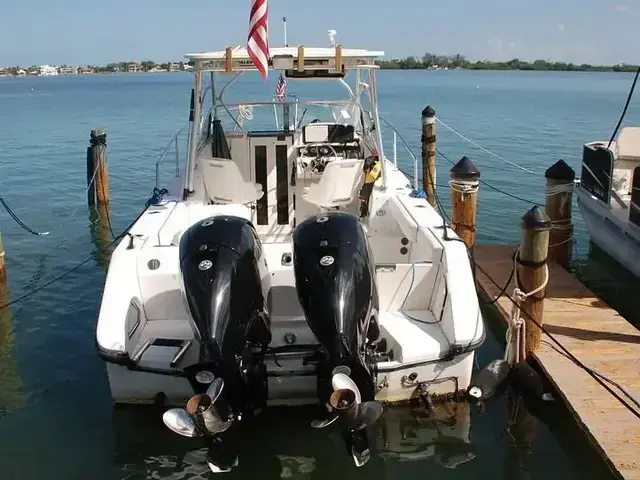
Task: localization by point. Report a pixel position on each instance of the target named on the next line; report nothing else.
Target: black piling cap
(536, 219)
(560, 171)
(428, 112)
(465, 169)
(98, 136)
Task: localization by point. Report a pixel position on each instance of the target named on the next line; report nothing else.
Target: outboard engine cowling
(335, 279)
(221, 271)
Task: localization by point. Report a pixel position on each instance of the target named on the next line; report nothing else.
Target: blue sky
(91, 31)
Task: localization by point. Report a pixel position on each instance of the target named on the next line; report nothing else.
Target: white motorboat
(287, 262)
(608, 194)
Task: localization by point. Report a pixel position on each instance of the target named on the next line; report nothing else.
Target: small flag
(258, 41)
(281, 88)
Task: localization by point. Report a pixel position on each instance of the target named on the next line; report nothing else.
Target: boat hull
(440, 378)
(609, 233)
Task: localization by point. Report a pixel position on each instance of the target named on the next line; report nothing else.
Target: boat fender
(527, 383)
(488, 380)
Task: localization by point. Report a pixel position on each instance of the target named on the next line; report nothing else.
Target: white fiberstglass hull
(610, 233)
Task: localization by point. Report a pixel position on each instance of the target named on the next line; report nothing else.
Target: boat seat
(224, 183)
(338, 185)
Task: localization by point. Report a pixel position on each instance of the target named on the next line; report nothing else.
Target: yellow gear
(372, 175)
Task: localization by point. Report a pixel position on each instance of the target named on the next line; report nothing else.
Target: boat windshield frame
(354, 100)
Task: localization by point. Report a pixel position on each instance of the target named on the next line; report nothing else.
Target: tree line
(431, 61)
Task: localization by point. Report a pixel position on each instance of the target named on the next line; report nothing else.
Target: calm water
(56, 419)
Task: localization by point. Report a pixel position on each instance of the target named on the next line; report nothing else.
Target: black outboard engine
(335, 279)
(222, 267)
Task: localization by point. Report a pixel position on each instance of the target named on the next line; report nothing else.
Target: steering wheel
(316, 165)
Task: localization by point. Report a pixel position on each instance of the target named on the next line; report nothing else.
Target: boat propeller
(205, 413)
(354, 416)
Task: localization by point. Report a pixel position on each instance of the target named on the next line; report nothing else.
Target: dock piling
(558, 203)
(532, 273)
(97, 173)
(464, 181)
(429, 154)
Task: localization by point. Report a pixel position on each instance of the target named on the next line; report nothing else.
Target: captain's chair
(224, 183)
(338, 185)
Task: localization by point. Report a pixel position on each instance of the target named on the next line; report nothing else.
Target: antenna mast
(284, 21)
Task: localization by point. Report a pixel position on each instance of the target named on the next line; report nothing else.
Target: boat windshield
(247, 103)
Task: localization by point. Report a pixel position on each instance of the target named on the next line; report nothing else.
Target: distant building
(21, 72)
(134, 67)
(47, 70)
(175, 67)
(68, 70)
(85, 70)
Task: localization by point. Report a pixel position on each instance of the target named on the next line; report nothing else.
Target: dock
(595, 334)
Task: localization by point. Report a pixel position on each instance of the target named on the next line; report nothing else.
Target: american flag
(258, 41)
(281, 88)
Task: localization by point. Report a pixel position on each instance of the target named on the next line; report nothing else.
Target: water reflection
(146, 449)
(11, 395)
(522, 431)
(100, 228)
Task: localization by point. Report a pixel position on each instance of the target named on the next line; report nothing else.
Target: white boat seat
(224, 183)
(338, 185)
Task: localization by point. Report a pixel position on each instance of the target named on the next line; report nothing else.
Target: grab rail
(397, 135)
(172, 145)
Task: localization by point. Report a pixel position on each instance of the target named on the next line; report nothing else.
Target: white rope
(516, 329)
(558, 189)
(464, 186)
(468, 140)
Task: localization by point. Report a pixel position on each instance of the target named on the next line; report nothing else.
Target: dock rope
(484, 182)
(480, 147)
(464, 186)
(20, 222)
(57, 278)
(516, 329)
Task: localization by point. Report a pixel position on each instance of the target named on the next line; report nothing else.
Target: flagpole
(284, 21)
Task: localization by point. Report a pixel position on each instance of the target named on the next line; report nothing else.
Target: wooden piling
(532, 271)
(97, 173)
(464, 181)
(558, 206)
(429, 154)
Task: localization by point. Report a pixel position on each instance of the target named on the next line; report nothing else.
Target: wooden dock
(599, 337)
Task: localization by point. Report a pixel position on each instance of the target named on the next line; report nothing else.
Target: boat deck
(600, 338)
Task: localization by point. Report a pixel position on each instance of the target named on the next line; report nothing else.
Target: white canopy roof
(301, 58)
(314, 53)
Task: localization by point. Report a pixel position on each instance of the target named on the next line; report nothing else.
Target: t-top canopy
(288, 58)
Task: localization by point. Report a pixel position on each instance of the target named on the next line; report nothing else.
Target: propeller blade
(215, 389)
(341, 381)
(369, 413)
(360, 451)
(325, 422)
(179, 421)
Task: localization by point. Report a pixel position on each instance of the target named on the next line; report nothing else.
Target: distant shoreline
(427, 62)
(459, 62)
